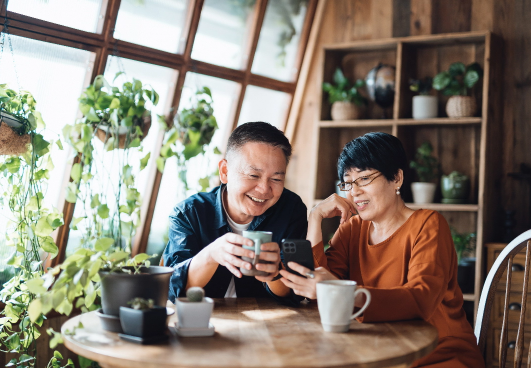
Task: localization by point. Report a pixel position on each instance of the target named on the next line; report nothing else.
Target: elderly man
(205, 235)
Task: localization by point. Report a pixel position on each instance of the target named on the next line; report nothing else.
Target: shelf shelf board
(444, 207)
(398, 122)
(469, 297)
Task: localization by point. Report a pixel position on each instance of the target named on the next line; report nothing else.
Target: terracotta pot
(342, 110)
(103, 136)
(461, 106)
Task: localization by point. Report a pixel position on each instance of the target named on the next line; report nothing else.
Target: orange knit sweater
(411, 275)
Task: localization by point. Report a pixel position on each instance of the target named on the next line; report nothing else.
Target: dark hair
(260, 132)
(379, 151)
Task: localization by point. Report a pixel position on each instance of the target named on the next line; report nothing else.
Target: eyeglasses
(360, 182)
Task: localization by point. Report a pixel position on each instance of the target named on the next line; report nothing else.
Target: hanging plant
(190, 136)
(118, 116)
(24, 171)
(18, 118)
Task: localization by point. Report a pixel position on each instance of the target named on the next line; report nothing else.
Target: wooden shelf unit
(460, 144)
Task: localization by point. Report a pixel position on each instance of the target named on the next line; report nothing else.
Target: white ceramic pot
(194, 314)
(423, 192)
(424, 107)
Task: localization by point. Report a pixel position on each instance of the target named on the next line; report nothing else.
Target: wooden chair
(503, 263)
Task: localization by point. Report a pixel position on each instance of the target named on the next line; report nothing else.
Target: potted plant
(118, 116)
(193, 313)
(25, 167)
(456, 83)
(464, 243)
(424, 105)
(190, 136)
(455, 187)
(347, 101)
(427, 168)
(18, 118)
(144, 320)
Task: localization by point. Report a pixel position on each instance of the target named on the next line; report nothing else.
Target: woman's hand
(334, 206)
(301, 285)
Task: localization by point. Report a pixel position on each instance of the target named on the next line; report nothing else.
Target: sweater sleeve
(431, 264)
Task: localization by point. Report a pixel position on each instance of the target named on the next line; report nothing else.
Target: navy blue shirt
(200, 220)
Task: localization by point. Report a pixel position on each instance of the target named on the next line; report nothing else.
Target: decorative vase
(194, 314)
(11, 143)
(455, 188)
(102, 132)
(424, 107)
(423, 192)
(117, 289)
(143, 323)
(461, 106)
(342, 110)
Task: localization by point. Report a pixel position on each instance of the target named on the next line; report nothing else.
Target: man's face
(254, 175)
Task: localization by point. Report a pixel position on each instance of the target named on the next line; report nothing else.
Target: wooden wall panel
(349, 20)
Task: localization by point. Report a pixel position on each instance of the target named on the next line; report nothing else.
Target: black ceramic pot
(117, 289)
(143, 323)
(466, 274)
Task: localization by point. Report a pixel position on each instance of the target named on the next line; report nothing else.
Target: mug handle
(257, 245)
(368, 295)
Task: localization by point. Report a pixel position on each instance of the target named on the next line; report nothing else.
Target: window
(174, 45)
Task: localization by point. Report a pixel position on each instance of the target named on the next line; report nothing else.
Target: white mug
(335, 300)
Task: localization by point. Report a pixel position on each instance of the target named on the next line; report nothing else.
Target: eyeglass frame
(355, 181)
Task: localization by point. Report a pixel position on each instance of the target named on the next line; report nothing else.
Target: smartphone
(298, 251)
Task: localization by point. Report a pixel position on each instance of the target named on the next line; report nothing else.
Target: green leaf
(144, 161)
(103, 244)
(118, 256)
(471, 78)
(339, 79)
(35, 286)
(114, 104)
(58, 297)
(457, 69)
(441, 80)
(134, 143)
(34, 309)
(43, 228)
(92, 116)
(160, 164)
(141, 257)
(57, 355)
(75, 173)
(48, 245)
(103, 211)
(95, 201)
(13, 164)
(75, 221)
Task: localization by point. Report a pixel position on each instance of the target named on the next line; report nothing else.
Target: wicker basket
(346, 111)
(12, 144)
(461, 106)
(104, 136)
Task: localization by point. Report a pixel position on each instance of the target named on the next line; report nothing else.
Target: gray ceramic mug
(258, 238)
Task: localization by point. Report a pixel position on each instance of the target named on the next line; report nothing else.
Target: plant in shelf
(456, 82)
(424, 105)
(427, 169)
(465, 244)
(347, 101)
(455, 187)
(190, 136)
(25, 168)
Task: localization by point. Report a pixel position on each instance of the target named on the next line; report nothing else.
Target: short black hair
(377, 150)
(259, 132)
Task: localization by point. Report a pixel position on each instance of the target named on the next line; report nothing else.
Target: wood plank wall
(349, 20)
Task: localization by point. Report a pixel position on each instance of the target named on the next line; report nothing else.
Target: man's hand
(269, 252)
(226, 249)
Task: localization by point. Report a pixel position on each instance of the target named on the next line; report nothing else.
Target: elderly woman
(405, 258)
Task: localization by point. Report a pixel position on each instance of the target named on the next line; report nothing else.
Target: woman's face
(376, 200)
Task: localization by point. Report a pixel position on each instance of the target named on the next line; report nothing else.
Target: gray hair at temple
(258, 132)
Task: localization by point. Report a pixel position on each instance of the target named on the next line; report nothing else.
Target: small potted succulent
(427, 168)
(424, 105)
(143, 319)
(347, 101)
(194, 311)
(456, 82)
(455, 188)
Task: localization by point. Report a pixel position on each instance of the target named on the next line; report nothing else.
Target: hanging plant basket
(11, 142)
(103, 133)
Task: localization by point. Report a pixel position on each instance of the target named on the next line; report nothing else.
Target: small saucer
(108, 322)
(143, 340)
(194, 332)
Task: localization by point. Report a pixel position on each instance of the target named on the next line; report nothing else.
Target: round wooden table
(259, 333)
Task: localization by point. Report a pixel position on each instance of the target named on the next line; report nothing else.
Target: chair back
(505, 262)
